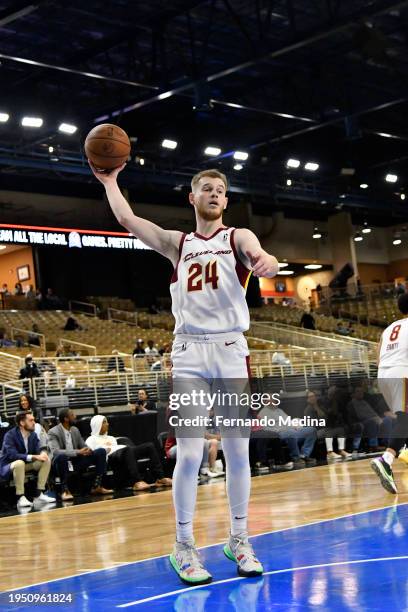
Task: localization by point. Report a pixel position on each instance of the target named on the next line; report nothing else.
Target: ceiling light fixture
(293, 163)
(67, 128)
(241, 155)
(397, 239)
(311, 166)
(212, 151)
(32, 122)
(169, 144)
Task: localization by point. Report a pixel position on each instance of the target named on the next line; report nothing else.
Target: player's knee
(190, 460)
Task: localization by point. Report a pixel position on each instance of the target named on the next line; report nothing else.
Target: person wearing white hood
(122, 458)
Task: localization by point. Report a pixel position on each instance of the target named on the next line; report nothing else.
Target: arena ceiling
(322, 81)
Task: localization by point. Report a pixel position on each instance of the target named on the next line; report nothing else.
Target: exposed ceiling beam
(322, 32)
(22, 9)
(171, 178)
(329, 123)
(89, 75)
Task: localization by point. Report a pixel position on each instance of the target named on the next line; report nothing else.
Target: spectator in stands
(307, 321)
(70, 382)
(165, 349)
(139, 349)
(208, 465)
(33, 338)
(335, 426)
(69, 452)
(341, 329)
(115, 363)
(142, 404)
(4, 290)
(60, 352)
(18, 289)
(27, 404)
(21, 453)
(30, 293)
(19, 341)
(279, 358)
(400, 288)
(154, 309)
(52, 301)
(336, 400)
(300, 440)
(156, 366)
(151, 349)
(66, 350)
(5, 340)
(71, 324)
(122, 458)
(30, 370)
(375, 425)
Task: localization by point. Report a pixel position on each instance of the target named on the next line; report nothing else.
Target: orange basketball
(107, 146)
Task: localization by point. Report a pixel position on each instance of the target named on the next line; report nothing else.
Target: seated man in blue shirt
(21, 453)
(300, 440)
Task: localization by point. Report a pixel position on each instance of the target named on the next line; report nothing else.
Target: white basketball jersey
(394, 345)
(208, 285)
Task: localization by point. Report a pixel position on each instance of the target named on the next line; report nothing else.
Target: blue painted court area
(358, 562)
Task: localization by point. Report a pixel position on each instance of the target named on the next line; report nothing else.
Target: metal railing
(92, 391)
(347, 348)
(81, 345)
(10, 393)
(85, 308)
(123, 316)
(26, 337)
(10, 366)
(368, 292)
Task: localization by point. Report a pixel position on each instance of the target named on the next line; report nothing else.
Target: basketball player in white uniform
(393, 384)
(211, 270)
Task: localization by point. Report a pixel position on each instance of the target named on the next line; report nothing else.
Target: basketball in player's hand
(107, 146)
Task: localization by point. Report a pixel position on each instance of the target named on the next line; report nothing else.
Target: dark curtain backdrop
(75, 273)
(141, 275)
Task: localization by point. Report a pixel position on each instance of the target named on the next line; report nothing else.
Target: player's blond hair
(213, 173)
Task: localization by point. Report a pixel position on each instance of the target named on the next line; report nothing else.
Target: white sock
(342, 443)
(238, 477)
(329, 445)
(189, 457)
(388, 457)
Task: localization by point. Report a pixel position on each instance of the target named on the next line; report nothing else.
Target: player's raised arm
(253, 255)
(163, 241)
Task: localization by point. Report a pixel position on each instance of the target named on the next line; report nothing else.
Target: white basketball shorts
(393, 384)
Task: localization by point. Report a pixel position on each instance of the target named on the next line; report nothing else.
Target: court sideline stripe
(116, 566)
(272, 572)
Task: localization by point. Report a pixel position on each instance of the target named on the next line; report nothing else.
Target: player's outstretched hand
(106, 176)
(263, 264)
